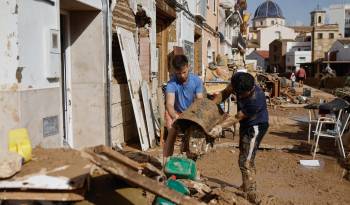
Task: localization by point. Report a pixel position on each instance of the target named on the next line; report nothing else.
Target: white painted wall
(34, 43)
(343, 53)
(298, 46)
(267, 35)
(267, 22)
(295, 58)
(336, 15)
(8, 42)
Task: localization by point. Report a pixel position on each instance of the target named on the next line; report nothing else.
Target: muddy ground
(280, 179)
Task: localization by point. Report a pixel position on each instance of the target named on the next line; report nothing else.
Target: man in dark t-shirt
(253, 117)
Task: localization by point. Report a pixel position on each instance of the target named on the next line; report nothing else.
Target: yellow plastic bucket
(19, 142)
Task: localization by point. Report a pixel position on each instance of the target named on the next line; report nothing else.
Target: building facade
(277, 57)
(268, 25)
(53, 76)
(340, 14)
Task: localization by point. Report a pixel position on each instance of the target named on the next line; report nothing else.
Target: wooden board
(134, 79)
(41, 195)
(120, 158)
(144, 182)
(146, 99)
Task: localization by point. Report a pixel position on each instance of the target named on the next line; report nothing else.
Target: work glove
(216, 131)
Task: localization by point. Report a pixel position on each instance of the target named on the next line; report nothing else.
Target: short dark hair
(179, 61)
(242, 82)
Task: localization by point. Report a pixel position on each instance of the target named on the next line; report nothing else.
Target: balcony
(201, 10)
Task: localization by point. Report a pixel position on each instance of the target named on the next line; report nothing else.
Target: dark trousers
(249, 141)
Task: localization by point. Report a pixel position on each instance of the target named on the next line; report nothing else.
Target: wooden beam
(144, 182)
(41, 195)
(120, 158)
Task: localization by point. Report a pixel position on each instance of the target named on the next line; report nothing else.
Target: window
(299, 49)
(331, 35)
(319, 35)
(302, 58)
(272, 22)
(261, 23)
(319, 19)
(278, 35)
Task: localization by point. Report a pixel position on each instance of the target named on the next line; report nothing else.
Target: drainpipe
(108, 66)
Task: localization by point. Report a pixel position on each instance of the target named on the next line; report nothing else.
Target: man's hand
(216, 131)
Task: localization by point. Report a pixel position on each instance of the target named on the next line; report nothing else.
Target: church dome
(268, 9)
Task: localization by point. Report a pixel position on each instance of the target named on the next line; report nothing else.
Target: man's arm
(223, 95)
(231, 120)
(228, 122)
(170, 102)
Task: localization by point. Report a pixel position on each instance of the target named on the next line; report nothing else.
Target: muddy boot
(253, 197)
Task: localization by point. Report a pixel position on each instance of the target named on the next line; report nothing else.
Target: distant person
(293, 79)
(301, 76)
(181, 91)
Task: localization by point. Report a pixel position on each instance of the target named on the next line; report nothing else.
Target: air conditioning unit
(201, 10)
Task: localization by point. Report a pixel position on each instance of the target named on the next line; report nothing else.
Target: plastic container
(307, 92)
(19, 142)
(176, 186)
(181, 167)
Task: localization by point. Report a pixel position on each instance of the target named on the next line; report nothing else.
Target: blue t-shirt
(185, 93)
(254, 107)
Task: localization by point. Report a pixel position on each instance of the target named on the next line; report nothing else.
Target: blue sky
(296, 12)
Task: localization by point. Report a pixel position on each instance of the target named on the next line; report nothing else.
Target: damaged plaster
(19, 74)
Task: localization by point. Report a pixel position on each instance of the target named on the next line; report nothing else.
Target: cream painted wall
(88, 78)
(267, 35)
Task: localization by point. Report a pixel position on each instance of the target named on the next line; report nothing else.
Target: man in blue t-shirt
(181, 91)
(253, 117)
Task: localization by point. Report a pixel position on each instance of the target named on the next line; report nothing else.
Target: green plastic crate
(174, 185)
(181, 167)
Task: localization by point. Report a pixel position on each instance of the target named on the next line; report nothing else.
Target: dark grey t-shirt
(254, 107)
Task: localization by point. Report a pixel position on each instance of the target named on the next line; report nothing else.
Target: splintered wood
(112, 162)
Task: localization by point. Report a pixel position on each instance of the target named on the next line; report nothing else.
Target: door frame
(66, 84)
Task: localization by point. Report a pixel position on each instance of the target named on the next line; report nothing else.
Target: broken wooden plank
(148, 114)
(41, 195)
(161, 108)
(144, 182)
(198, 186)
(120, 158)
(293, 105)
(114, 155)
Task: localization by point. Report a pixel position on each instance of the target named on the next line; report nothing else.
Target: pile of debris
(345, 91)
(64, 175)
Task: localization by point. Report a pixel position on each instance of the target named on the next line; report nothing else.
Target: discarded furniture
(313, 117)
(339, 122)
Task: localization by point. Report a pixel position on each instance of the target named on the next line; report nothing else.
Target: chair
(313, 119)
(340, 124)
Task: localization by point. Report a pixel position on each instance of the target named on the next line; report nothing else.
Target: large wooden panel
(134, 79)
